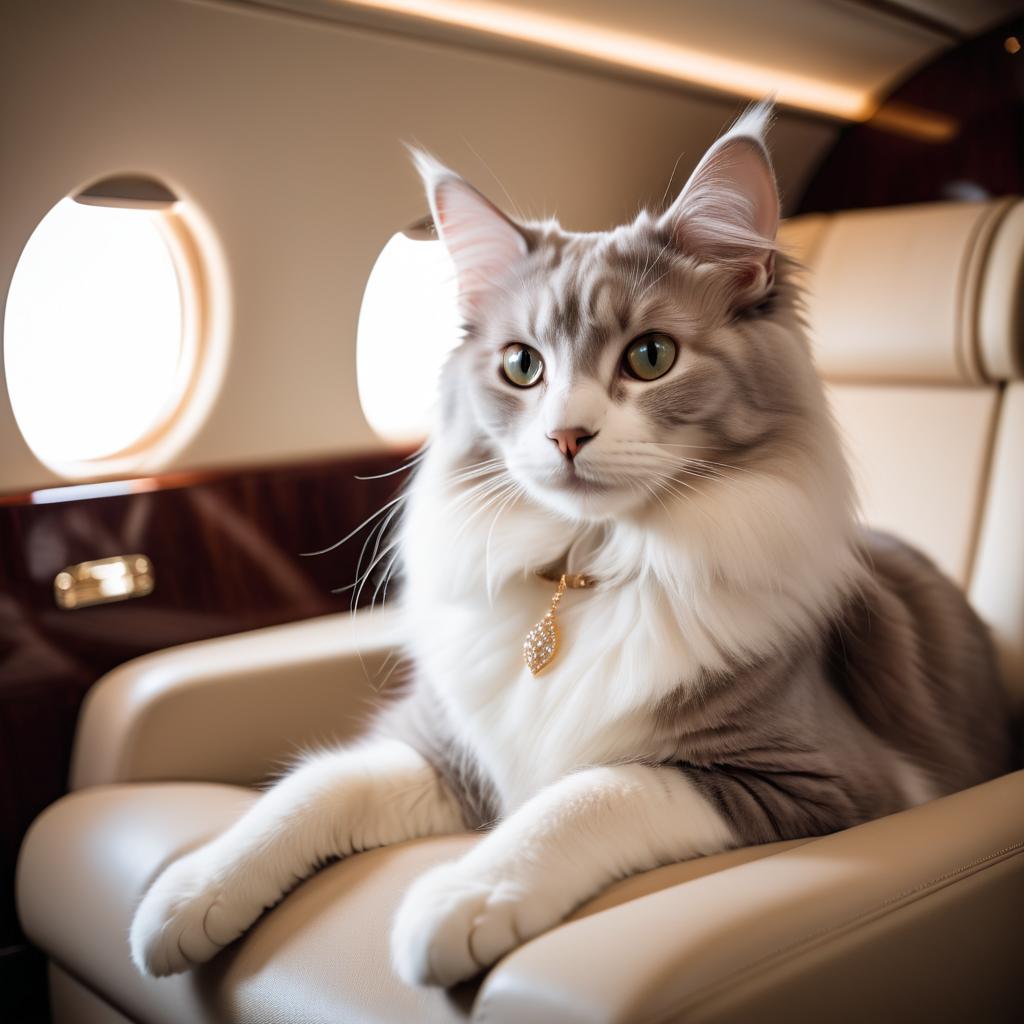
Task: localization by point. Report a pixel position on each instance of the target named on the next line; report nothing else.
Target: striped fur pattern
(751, 666)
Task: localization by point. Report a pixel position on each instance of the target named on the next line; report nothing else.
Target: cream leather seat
(917, 315)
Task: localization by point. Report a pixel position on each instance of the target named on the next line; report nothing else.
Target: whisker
(510, 499)
(348, 536)
(515, 206)
(478, 491)
(385, 577)
(414, 460)
(380, 686)
(489, 503)
(374, 557)
(362, 576)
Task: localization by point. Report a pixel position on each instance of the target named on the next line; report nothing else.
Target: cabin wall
(286, 133)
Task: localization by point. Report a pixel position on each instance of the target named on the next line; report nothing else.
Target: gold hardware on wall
(103, 581)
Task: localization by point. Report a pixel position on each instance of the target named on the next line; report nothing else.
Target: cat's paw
(455, 922)
(187, 916)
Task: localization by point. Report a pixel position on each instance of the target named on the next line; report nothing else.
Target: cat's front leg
(334, 804)
(561, 847)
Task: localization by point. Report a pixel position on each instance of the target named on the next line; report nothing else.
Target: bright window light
(94, 346)
(408, 323)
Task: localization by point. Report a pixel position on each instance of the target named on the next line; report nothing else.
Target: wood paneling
(978, 89)
(226, 548)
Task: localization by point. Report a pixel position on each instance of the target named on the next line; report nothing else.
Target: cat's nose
(571, 439)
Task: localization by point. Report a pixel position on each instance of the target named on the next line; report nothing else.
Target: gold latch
(103, 581)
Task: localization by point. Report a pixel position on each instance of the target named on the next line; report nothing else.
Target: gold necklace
(541, 643)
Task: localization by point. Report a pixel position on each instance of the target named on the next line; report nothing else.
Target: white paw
(454, 922)
(188, 915)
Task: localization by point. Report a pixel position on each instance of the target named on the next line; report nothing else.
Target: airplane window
(408, 323)
(98, 349)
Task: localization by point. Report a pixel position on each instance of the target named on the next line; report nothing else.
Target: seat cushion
(320, 955)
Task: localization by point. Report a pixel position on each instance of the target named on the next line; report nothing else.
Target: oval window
(99, 334)
(408, 323)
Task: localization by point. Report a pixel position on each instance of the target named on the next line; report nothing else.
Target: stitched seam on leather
(888, 905)
(987, 233)
(979, 514)
(966, 342)
(963, 281)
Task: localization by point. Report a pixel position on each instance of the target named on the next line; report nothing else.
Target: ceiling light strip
(635, 52)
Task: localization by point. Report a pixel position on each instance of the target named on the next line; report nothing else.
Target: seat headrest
(915, 294)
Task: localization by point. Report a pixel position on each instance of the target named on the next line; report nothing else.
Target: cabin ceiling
(969, 17)
(280, 123)
(836, 57)
(282, 135)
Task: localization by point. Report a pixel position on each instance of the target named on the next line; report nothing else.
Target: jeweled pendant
(541, 643)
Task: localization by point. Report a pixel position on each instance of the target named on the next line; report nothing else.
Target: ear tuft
(481, 240)
(754, 123)
(429, 168)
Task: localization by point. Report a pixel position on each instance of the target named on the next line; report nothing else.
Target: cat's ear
(481, 240)
(728, 211)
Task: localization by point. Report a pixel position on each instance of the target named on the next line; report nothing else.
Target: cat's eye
(522, 365)
(650, 356)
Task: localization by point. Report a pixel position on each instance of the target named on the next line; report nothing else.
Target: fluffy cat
(640, 406)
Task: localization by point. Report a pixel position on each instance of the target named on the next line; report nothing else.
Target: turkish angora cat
(638, 406)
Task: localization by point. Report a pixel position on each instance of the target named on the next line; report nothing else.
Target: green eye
(650, 356)
(522, 365)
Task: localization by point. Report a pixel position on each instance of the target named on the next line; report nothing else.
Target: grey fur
(584, 294)
(418, 718)
(809, 741)
(898, 684)
(806, 743)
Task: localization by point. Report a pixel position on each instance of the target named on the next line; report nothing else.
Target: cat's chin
(585, 500)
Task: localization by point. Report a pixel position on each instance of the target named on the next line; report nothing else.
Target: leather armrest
(917, 916)
(237, 708)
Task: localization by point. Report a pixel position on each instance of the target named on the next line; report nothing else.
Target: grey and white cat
(640, 406)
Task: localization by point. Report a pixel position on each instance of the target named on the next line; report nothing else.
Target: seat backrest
(916, 319)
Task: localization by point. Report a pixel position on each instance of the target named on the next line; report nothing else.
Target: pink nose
(571, 439)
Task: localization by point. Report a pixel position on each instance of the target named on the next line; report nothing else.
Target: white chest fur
(669, 601)
(618, 655)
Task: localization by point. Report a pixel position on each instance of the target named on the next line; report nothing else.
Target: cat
(639, 406)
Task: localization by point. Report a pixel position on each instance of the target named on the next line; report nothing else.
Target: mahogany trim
(226, 545)
(118, 486)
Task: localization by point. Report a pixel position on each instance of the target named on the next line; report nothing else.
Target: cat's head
(609, 371)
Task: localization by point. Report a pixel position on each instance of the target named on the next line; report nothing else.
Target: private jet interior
(226, 302)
